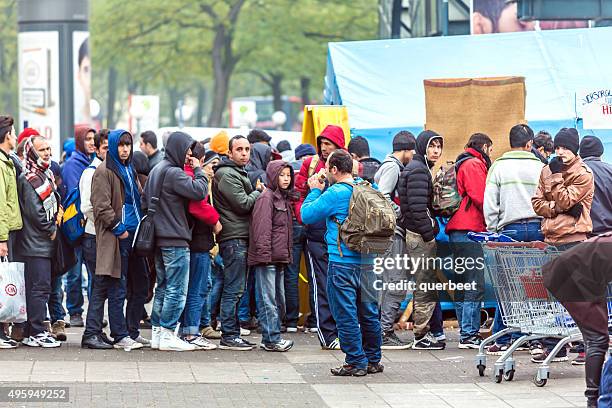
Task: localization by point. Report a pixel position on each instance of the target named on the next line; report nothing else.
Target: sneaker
(43, 339)
(248, 343)
(427, 342)
(439, 337)
(245, 332)
(235, 343)
(390, 341)
(127, 344)
(311, 330)
(580, 360)
(470, 343)
(59, 330)
(6, 342)
(497, 350)
(559, 358)
(536, 348)
(169, 341)
(76, 321)
(201, 343)
(281, 346)
(375, 368)
(347, 370)
(155, 336)
(143, 341)
(209, 333)
(334, 345)
(292, 329)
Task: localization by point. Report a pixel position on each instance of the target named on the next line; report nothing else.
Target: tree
(8, 57)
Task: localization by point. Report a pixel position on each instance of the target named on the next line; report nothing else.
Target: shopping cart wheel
(539, 382)
(481, 369)
(509, 375)
(499, 376)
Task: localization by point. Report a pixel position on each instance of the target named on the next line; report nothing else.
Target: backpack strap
(157, 193)
(457, 165)
(338, 223)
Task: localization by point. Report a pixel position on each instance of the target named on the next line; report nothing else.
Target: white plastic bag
(12, 292)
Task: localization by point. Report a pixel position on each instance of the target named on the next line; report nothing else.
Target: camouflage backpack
(370, 224)
(446, 198)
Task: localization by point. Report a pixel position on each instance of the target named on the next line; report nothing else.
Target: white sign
(595, 108)
(81, 66)
(243, 113)
(39, 98)
(144, 113)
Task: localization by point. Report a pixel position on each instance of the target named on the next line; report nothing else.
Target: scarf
(41, 178)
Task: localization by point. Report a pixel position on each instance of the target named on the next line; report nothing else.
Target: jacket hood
(226, 162)
(477, 153)
(274, 170)
(113, 146)
(423, 141)
(260, 157)
(176, 149)
(334, 134)
(80, 132)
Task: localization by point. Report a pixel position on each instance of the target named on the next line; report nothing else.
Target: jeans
(205, 315)
(292, 272)
(172, 266)
(137, 285)
(197, 292)
(38, 287)
(56, 300)
(353, 302)
(247, 307)
(605, 389)
(74, 285)
(270, 293)
(215, 293)
(468, 302)
(436, 323)
(106, 287)
(233, 252)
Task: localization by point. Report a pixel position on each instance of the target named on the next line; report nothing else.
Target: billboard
(500, 16)
(39, 98)
(81, 63)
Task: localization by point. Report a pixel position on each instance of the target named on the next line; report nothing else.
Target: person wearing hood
(234, 198)
(120, 274)
(271, 252)
(172, 236)
(543, 146)
(387, 178)
(72, 171)
(331, 138)
(415, 190)
(261, 153)
(258, 136)
(591, 150)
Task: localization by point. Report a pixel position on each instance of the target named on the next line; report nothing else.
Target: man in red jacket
(330, 139)
(472, 166)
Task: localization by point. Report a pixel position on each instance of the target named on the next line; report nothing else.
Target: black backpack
(144, 238)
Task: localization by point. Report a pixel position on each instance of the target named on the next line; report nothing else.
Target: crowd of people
(234, 216)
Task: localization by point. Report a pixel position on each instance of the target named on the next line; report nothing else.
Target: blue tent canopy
(381, 82)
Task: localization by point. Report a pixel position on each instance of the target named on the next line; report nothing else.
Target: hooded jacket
(272, 221)
(256, 167)
(415, 190)
(557, 193)
(155, 158)
(471, 182)
(601, 211)
(234, 198)
(10, 214)
(335, 134)
(73, 168)
(172, 228)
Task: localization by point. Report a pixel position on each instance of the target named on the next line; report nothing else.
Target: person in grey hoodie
(387, 176)
(591, 150)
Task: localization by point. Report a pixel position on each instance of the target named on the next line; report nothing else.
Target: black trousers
(38, 288)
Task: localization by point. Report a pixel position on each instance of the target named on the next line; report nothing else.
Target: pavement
(298, 378)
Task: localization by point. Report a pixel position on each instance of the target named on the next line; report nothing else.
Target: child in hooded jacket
(270, 251)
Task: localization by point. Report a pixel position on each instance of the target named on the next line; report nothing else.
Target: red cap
(27, 132)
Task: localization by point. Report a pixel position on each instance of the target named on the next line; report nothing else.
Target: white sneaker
(292, 329)
(127, 344)
(245, 332)
(155, 335)
(43, 339)
(170, 342)
(143, 341)
(201, 343)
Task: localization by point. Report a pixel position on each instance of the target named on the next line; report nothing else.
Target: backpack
(370, 224)
(73, 220)
(446, 198)
(144, 237)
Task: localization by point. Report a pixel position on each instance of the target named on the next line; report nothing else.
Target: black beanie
(404, 140)
(568, 138)
(591, 146)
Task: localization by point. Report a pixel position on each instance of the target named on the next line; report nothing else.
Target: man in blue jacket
(350, 275)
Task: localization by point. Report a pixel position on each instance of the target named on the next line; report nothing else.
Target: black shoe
(348, 370)
(95, 342)
(236, 344)
(76, 321)
(283, 345)
(427, 342)
(390, 341)
(105, 339)
(375, 368)
(470, 343)
(250, 343)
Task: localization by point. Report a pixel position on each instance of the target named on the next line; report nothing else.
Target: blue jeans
(234, 253)
(468, 302)
(248, 303)
(197, 292)
(354, 306)
(524, 231)
(270, 293)
(74, 286)
(172, 266)
(292, 272)
(215, 293)
(56, 300)
(136, 284)
(205, 315)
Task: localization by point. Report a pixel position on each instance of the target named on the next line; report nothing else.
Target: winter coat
(234, 198)
(10, 213)
(316, 231)
(256, 167)
(471, 182)
(204, 218)
(73, 170)
(601, 211)
(557, 193)
(368, 168)
(155, 159)
(35, 236)
(171, 223)
(271, 228)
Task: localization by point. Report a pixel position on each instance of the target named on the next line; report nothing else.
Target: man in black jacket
(172, 234)
(415, 190)
(591, 150)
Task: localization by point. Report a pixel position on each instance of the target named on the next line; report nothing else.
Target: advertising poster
(82, 77)
(500, 16)
(594, 106)
(39, 102)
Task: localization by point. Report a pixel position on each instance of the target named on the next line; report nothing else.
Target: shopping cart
(515, 269)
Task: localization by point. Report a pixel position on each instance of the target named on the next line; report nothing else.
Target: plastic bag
(12, 292)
